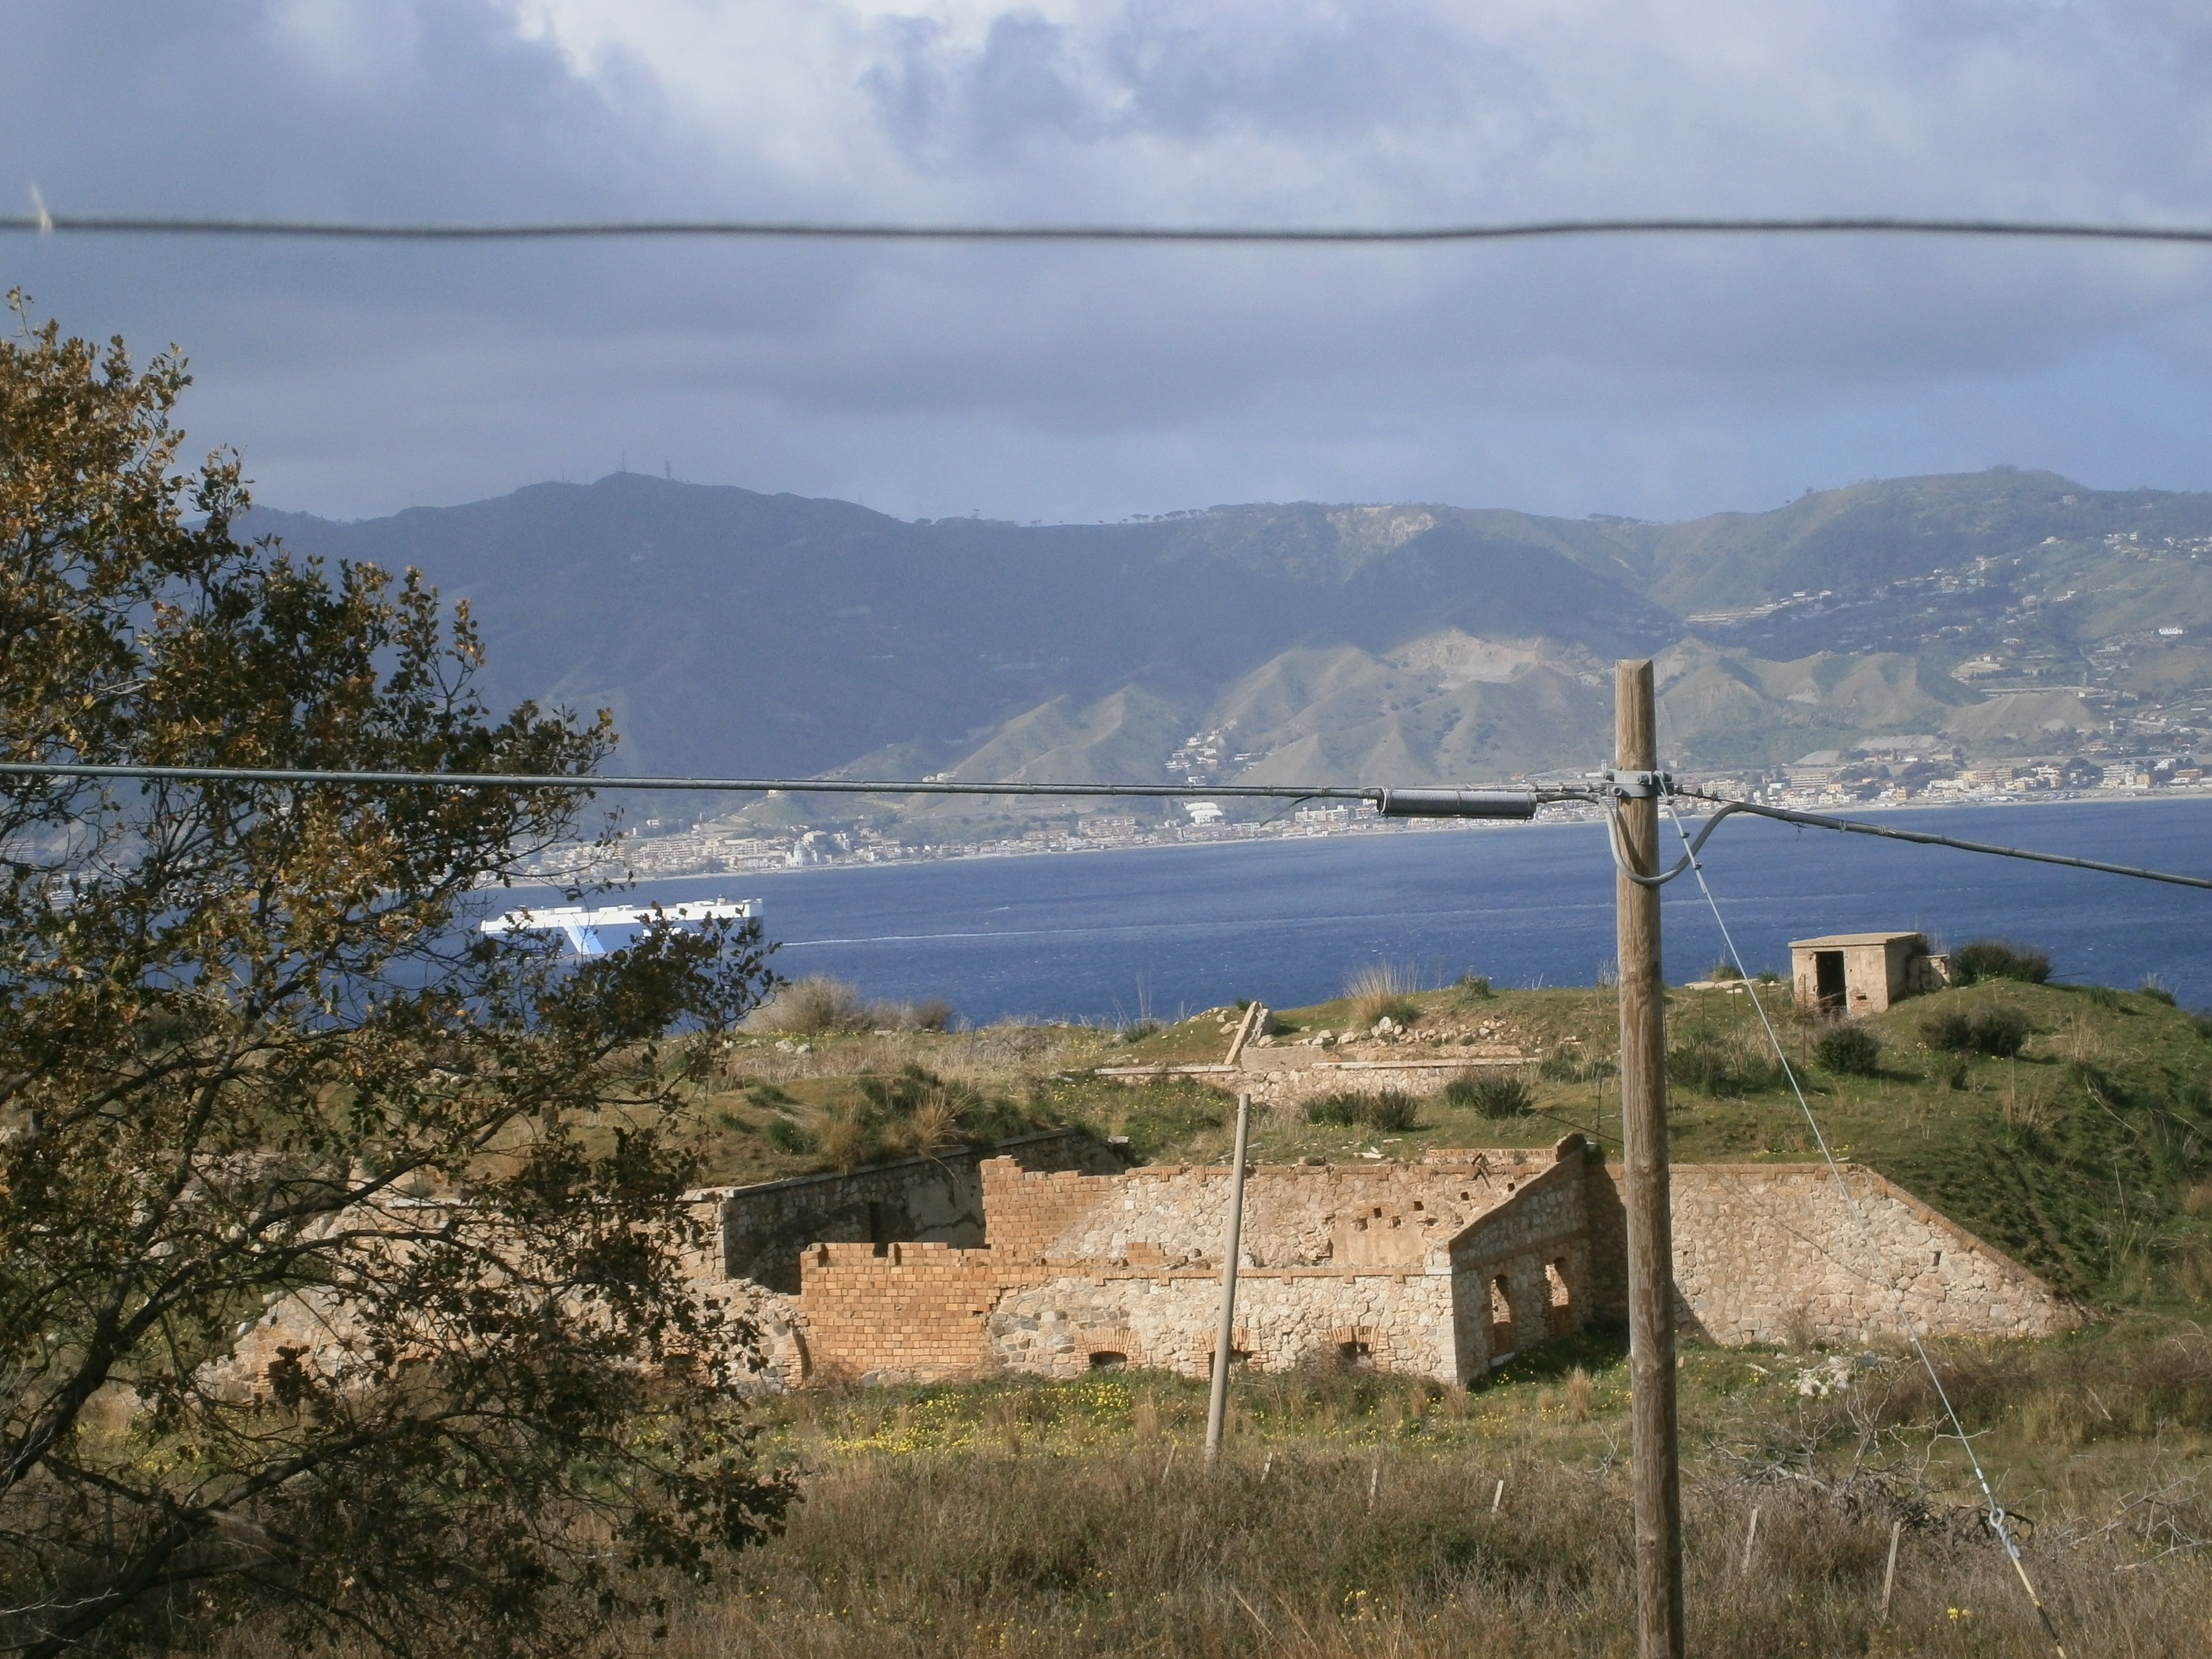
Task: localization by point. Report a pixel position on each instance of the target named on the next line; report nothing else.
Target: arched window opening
(1560, 1314)
(1501, 1320)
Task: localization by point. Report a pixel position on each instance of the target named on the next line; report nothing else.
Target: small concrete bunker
(1858, 974)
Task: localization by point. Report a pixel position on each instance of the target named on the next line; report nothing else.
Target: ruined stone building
(1052, 1262)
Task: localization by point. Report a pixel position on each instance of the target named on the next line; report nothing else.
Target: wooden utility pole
(1655, 1451)
(1224, 1337)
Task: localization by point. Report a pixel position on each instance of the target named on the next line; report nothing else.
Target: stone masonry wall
(1523, 1273)
(1768, 1252)
(1393, 1321)
(1398, 1215)
(1439, 1269)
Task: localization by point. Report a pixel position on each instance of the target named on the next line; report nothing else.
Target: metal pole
(1655, 1452)
(1217, 1409)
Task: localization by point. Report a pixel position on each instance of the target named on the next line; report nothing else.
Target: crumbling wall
(1066, 1323)
(937, 1199)
(1436, 1269)
(1770, 1253)
(1026, 1209)
(1380, 1214)
(1280, 1079)
(898, 1312)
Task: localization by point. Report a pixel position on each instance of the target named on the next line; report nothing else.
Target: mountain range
(731, 632)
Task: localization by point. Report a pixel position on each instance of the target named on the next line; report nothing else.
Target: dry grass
(996, 1054)
(1352, 1515)
(810, 1008)
(1381, 989)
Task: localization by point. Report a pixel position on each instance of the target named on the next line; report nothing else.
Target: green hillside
(2002, 613)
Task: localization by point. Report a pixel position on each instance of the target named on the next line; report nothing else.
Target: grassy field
(1363, 1516)
(1356, 1515)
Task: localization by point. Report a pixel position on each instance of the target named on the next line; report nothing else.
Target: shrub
(1473, 985)
(2102, 996)
(1724, 970)
(1382, 990)
(2156, 992)
(1140, 1030)
(2002, 1032)
(916, 1110)
(1991, 958)
(1851, 1049)
(1342, 1111)
(846, 1141)
(807, 1006)
(787, 1137)
(1562, 1065)
(1491, 1094)
(1707, 1062)
(931, 1014)
(1393, 1110)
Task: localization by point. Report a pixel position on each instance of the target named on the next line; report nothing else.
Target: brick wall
(1025, 1210)
(898, 1312)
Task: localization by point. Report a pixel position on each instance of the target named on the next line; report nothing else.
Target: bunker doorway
(1828, 979)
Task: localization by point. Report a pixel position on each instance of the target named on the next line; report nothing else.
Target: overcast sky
(1654, 378)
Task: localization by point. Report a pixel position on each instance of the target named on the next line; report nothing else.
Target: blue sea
(1158, 932)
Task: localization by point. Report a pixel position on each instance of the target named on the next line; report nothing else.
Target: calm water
(1159, 929)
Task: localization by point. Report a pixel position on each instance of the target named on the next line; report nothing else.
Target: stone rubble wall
(1536, 1255)
(1398, 1215)
(1473, 1257)
(1770, 1253)
(1280, 1080)
(1285, 1317)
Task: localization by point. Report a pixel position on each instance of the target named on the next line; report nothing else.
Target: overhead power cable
(1501, 803)
(46, 223)
(1888, 832)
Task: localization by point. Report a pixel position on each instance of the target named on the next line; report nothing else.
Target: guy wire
(1996, 1514)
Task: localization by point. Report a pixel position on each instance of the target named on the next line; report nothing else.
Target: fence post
(1224, 1337)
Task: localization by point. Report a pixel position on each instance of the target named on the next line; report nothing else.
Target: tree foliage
(341, 1276)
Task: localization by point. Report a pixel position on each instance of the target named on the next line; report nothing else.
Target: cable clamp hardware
(1639, 786)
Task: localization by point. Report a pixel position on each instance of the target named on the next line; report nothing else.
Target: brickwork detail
(1029, 1209)
(899, 1312)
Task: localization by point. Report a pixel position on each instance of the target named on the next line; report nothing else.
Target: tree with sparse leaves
(342, 1282)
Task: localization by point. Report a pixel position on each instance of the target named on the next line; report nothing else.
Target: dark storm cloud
(1654, 378)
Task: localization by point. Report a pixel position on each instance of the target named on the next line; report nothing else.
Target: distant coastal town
(1882, 773)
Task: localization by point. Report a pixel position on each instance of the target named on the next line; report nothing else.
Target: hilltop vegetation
(2082, 1146)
